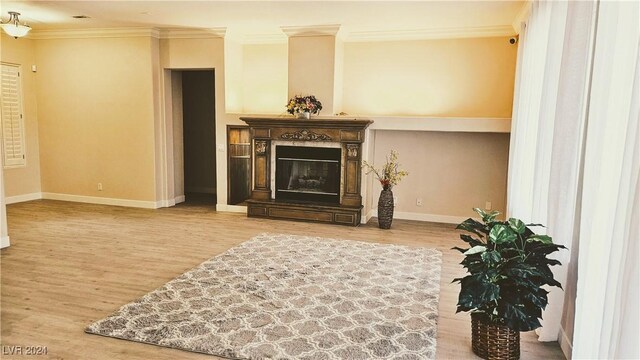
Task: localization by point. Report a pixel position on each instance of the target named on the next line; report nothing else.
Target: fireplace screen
(309, 174)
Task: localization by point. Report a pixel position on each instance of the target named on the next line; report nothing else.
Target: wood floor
(70, 264)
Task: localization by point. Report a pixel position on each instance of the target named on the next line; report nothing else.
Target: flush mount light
(13, 26)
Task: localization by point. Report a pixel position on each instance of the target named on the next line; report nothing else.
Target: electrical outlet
(99, 186)
(418, 202)
(487, 205)
(395, 201)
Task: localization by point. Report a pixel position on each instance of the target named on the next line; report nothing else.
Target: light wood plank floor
(70, 264)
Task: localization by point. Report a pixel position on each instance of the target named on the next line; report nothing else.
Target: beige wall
(451, 172)
(450, 77)
(264, 85)
(24, 180)
(97, 112)
(312, 68)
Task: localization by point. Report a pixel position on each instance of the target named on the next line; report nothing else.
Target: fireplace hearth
(307, 169)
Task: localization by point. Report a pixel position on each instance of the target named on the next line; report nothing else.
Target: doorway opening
(198, 132)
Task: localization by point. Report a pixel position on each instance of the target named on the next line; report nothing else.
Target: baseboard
(366, 217)
(565, 344)
(4, 242)
(22, 198)
(101, 200)
(179, 199)
(200, 190)
(447, 219)
(231, 208)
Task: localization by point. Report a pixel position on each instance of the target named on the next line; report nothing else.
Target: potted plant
(507, 267)
(304, 106)
(388, 176)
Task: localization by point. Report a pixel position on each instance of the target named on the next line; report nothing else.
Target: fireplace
(307, 169)
(308, 174)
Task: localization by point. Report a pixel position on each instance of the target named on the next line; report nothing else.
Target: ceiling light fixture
(13, 26)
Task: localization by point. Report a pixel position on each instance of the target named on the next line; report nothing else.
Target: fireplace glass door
(308, 174)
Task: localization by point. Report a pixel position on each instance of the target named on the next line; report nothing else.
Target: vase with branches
(388, 175)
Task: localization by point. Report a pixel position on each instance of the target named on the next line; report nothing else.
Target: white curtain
(606, 314)
(535, 126)
(574, 162)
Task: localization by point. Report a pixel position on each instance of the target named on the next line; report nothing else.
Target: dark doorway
(199, 132)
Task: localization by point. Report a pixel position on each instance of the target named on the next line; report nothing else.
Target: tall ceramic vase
(385, 208)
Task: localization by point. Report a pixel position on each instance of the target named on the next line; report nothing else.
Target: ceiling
(261, 18)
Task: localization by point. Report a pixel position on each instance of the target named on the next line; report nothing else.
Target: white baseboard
(101, 200)
(366, 217)
(231, 208)
(447, 219)
(22, 198)
(565, 344)
(4, 242)
(179, 199)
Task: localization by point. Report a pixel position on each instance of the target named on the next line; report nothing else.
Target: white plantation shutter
(11, 116)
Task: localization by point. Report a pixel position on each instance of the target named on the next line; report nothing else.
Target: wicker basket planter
(491, 341)
(385, 209)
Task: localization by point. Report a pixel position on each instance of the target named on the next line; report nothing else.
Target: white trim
(231, 208)
(319, 30)
(4, 242)
(423, 34)
(448, 124)
(94, 33)
(521, 17)
(170, 202)
(366, 217)
(447, 219)
(182, 33)
(101, 201)
(565, 344)
(22, 198)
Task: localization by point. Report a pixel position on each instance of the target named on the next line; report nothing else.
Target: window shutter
(13, 143)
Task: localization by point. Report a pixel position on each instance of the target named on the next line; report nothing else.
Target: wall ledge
(448, 124)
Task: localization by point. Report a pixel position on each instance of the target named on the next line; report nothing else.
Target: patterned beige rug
(294, 297)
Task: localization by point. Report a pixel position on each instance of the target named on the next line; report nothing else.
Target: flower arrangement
(389, 175)
(301, 104)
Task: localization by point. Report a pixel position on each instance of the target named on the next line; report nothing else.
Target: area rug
(294, 297)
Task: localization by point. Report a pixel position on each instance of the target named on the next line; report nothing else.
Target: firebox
(308, 174)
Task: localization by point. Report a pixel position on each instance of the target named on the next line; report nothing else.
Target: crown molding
(94, 33)
(521, 17)
(182, 33)
(422, 34)
(318, 30)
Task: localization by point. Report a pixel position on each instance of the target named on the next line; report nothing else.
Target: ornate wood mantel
(349, 133)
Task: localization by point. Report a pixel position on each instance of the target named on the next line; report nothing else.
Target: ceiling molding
(182, 33)
(94, 33)
(319, 30)
(422, 34)
(521, 17)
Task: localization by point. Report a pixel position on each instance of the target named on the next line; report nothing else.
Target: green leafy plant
(507, 267)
